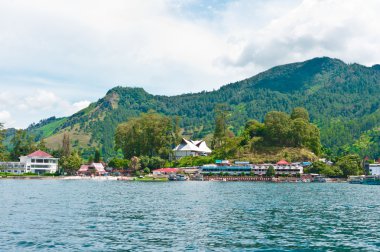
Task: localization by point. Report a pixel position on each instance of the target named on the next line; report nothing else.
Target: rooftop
(40, 153)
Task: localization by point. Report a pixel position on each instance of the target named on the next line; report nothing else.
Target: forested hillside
(342, 99)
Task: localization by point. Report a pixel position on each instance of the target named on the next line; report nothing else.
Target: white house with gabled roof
(37, 162)
(191, 148)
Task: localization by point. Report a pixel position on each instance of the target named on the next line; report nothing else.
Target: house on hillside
(191, 148)
(37, 162)
(96, 169)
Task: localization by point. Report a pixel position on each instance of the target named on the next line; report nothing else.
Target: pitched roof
(83, 168)
(166, 170)
(186, 145)
(190, 145)
(40, 153)
(282, 162)
(97, 166)
(203, 147)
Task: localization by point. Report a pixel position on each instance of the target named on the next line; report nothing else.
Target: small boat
(319, 179)
(177, 177)
(355, 179)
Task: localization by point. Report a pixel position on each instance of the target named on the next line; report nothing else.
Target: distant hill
(342, 99)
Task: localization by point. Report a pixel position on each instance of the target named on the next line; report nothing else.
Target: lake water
(59, 215)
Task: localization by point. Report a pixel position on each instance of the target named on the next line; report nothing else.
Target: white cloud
(4, 116)
(41, 100)
(346, 30)
(33, 105)
(56, 53)
(77, 106)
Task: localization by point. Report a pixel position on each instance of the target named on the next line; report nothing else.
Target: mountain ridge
(330, 89)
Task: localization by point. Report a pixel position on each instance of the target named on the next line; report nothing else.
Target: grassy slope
(274, 154)
(49, 129)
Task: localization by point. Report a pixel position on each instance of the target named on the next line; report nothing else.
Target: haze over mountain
(342, 100)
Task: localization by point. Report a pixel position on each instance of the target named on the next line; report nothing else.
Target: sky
(58, 56)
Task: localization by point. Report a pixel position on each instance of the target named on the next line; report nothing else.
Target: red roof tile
(166, 170)
(40, 153)
(282, 162)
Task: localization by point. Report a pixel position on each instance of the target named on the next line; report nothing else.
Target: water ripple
(193, 216)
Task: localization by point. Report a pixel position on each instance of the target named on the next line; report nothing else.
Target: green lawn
(151, 179)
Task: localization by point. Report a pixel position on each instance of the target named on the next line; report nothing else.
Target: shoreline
(127, 178)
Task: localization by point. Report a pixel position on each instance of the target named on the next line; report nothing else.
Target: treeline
(343, 166)
(149, 135)
(21, 144)
(278, 129)
(150, 138)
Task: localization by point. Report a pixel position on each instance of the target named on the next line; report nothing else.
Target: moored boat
(177, 177)
(356, 179)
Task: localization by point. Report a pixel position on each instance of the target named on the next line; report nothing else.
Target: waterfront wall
(236, 178)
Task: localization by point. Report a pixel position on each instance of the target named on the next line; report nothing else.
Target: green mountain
(342, 99)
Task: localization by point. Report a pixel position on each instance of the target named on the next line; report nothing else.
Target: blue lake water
(58, 215)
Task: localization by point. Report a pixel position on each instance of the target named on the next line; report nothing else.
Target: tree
(3, 154)
(146, 170)
(177, 129)
(70, 164)
(324, 169)
(42, 145)
(22, 144)
(362, 145)
(221, 125)
(229, 148)
(119, 163)
(313, 141)
(350, 165)
(271, 171)
(299, 132)
(135, 164)
(300, 113)
(253, 128)
(150, 135)
(97, 156)
(151, 162)
(277, 127)
(66, 146)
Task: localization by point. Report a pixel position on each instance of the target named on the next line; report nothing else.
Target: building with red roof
(282, 167)
(282, 162)
(37, 162)
(165, 171)
(40, 153)
(92, 169)
(40, 162)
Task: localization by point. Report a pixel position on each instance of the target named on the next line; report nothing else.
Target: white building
(191, 148)
(374, 169)
(37, 162)
(281, 168)
(12, 167)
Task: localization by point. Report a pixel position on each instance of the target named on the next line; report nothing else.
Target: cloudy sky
(57, 56)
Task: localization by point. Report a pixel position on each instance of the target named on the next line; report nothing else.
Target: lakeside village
(39, 164)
